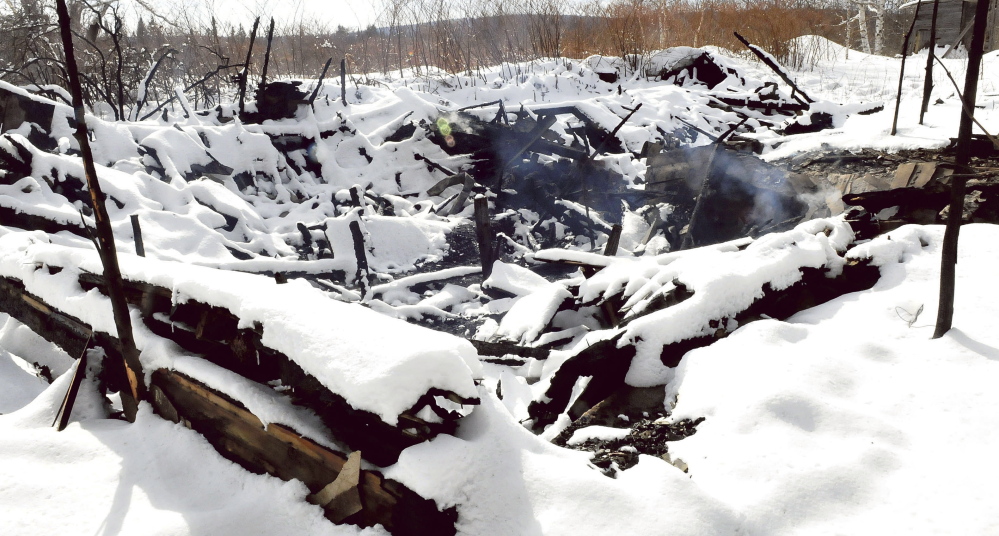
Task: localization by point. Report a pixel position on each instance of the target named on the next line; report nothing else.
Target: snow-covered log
(380, 384)
(235, 431)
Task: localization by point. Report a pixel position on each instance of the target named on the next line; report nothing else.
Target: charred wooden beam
(214, 333)
(232, 429)
(68, 401)
(319, 83)
(769, 62)
(607, 364)
(768, 107)
(267, 54)
(245, 72)
(11, 217)
(282, 452)
(140, 249)
(105, 238)
(503, 348)
(484, 235)
(343, 81)
(604, 362)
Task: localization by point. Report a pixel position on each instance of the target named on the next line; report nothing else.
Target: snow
(603, 433)
(844, 419)
(514, 279)
(152, 477)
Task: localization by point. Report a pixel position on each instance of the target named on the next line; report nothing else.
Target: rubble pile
(579, 249)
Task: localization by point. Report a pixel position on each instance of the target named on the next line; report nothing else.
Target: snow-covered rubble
(840, 418)
(378, 364)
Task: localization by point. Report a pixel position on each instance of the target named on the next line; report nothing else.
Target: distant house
(954, 21)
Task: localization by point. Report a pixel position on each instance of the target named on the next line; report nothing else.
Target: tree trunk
(948, 261)
(105, 237)
(862, 21)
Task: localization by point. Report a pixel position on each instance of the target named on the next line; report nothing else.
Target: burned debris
(565, 245)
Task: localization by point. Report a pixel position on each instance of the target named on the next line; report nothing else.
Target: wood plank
(219, 340)
(280, 451)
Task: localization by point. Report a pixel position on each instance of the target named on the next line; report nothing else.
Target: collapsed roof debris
(583, 247)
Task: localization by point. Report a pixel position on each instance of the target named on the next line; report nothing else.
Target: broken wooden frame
(232, 429)
(607, 363)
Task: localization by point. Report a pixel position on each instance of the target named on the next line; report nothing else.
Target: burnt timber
(232, 429)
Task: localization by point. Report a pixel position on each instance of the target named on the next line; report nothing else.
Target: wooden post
(901, 73)
(357, 198)
(928, 79)
(66, 409)
(343, 81)
(688, 239)
(362, 274)
(610, 248)
(244, 74)
(484, 235)
(267, 54)
(140, 250)
(948, 260)
(319, 83)
(105, 237)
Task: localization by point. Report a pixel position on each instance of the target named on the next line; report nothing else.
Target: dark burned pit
(647, 436)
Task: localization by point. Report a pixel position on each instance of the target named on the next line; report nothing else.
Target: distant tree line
(423, 37)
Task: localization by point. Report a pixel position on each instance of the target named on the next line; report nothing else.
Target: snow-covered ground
(844, 419)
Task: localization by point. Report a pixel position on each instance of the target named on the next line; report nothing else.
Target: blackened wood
(67, 332)
(10, 217)
(502, 348)
(434, 165)
(361, 277)
(948, 259)
(140, 250)
(928, 77)
(688, 238)
(319, 83)
(357, 197)
(775, 68)
(610, 248)
(603, 145)
(539, 129)
(68, 401)
(238, 434)
(214, 333)
(267, 54)
(105, 237)
(280, 451)
(245, 73)
(484, 234)
(604, 362)
(901, 72)
(443, 184)
(608, 364)
(343, 81)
